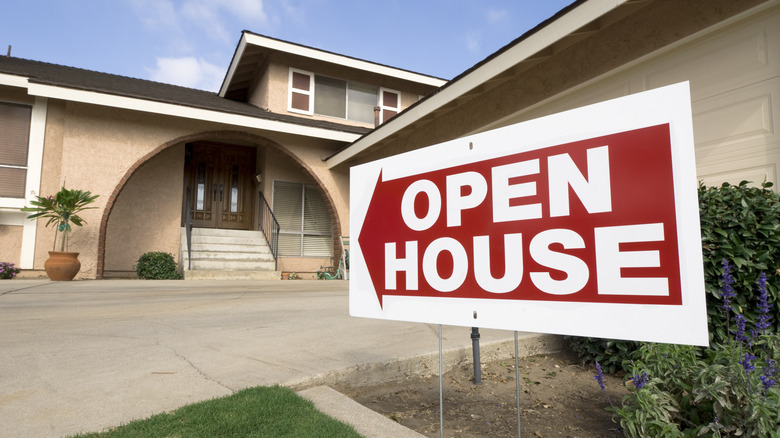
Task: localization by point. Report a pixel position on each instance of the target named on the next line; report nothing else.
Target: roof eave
(558, 27)
(234, 63)
(172, 109)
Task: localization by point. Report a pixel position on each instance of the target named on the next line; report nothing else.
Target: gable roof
(253, 48)
(70, 83)
(570, 36)
(533, 46)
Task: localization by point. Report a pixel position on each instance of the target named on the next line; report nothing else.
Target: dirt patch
(558, 398)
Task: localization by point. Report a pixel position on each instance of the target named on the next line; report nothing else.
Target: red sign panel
(551, 225)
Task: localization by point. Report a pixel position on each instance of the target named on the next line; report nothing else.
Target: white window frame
(312, 94)
(309, 92)
(383, 107)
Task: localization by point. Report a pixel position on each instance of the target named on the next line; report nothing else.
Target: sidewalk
(87, 355)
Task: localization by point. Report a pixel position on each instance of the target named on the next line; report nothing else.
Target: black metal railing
(270, 228)
(188, 228)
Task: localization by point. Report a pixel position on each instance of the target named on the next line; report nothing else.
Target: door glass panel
(234, 190)
(201, 192)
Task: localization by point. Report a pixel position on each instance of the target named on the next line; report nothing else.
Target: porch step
(232, 275)
(227, 254)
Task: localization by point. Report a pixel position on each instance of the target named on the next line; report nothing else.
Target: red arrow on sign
(589, 221)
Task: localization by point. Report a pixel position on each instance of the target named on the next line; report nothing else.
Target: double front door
(220, 182)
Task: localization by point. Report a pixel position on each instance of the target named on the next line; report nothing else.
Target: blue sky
(191, 42)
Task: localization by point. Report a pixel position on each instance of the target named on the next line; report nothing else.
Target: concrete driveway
(88, 355)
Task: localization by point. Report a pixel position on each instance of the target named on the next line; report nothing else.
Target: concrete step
(245, 246)
(231, 275)
(254, 248)
(232, 265)
(226, 233)
(230, 255)
(227, 240)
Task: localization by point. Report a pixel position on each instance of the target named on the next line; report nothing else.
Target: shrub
(157, 266)
(8, 271)
(728, 389)
(740, 224)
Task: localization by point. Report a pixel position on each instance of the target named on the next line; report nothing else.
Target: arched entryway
(125, 226)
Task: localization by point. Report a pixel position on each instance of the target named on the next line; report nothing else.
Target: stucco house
(290, 120)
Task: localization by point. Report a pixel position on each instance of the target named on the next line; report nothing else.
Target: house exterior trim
(148, 106)
(334, 58)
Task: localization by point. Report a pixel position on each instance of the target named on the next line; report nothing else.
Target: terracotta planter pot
(62, 266)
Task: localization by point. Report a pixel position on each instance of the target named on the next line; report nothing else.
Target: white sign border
(685, 324)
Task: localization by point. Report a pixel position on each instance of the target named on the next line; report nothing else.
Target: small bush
(157, 266)
(8, 271)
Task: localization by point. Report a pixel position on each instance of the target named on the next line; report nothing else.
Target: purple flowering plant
(728, 389)
(8, 271)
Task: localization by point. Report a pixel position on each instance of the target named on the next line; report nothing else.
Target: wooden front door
(221, 187)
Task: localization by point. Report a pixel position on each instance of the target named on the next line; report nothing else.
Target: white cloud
(249, 10)
(206, 17)
(210, 16)
(188, 72)
(474, 41)
(157, 15)
(496, 15)
(192, 31)
(180, 20)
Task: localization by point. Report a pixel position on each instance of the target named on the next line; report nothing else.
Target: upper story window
(14, 143)
(314, 94)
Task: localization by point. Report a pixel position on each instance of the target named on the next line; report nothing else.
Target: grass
(255, 412)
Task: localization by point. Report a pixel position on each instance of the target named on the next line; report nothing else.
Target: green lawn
(255, 412)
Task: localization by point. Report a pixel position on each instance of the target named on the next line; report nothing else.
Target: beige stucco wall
(147, 213)
(91, 148)
(10, 244)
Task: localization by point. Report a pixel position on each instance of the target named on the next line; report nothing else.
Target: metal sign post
(441, 392)
(517, 385)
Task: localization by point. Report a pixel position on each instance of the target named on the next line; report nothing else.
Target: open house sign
(582, 223)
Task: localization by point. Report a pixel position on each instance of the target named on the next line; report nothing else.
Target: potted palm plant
(62, 210)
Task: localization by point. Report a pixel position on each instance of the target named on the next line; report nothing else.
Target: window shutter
(14, 143)
(288, 209)
(390, 104)
(304, 221)
(317, 239)
(288, 206)
(316, 216)
(12, 182)
(289, 245)
(301, 88)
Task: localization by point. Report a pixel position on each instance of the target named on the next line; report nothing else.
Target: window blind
(14, 143)
(304, 221)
